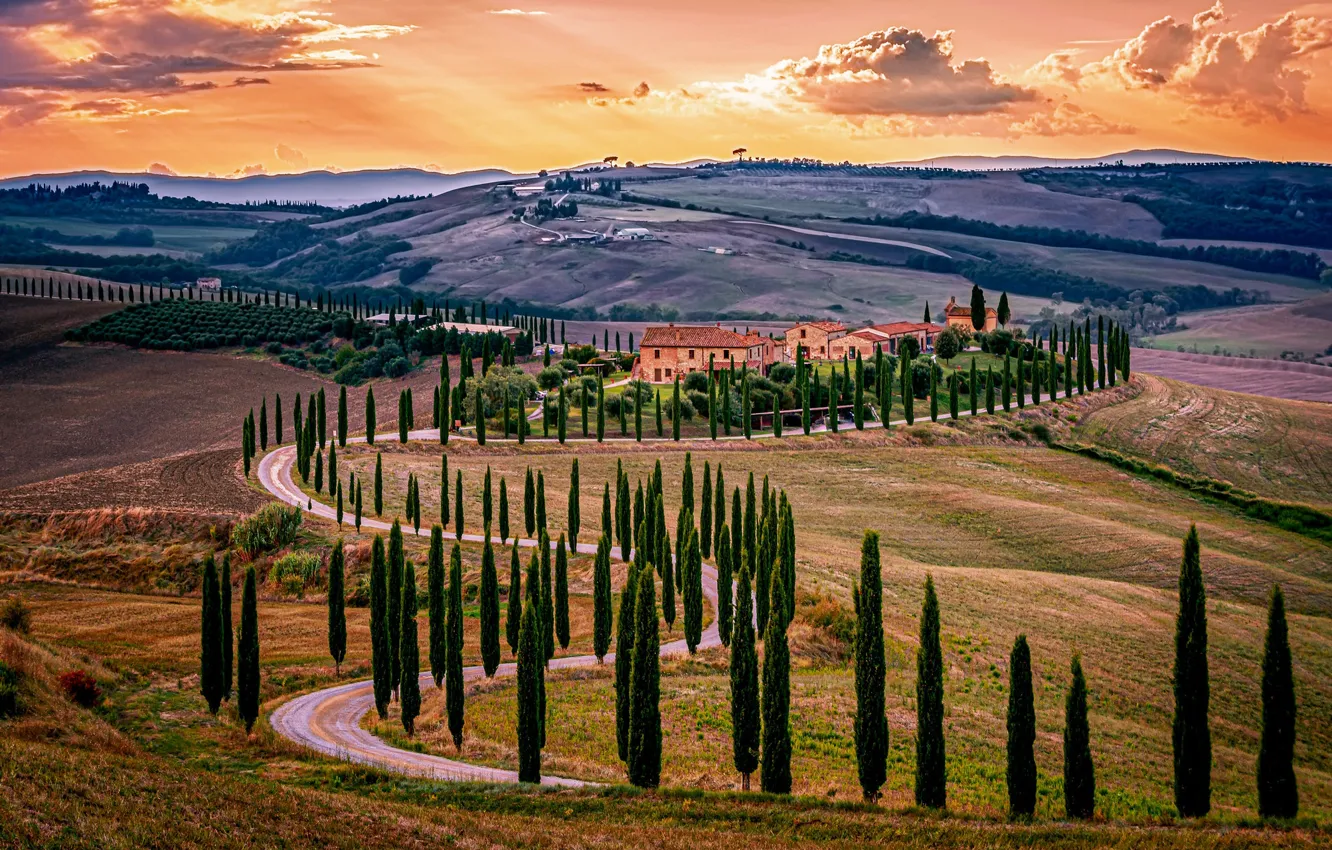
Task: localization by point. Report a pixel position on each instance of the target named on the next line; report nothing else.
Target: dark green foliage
(453, 653)
(489, 614)
(776, 696)
(705, 513)
(379, 484)
(1191, 734)
(547, 596)
(871, 726)
(529, 503)
(487, 502)
(692, 566)
(228, 638)
(718, 509)
(409, 685)
(977, 308)
(381, 656)
(575, 515)
(668, 567)
(645, 689)
(342, 417)
(369, 418)
(212, 673)
(1278, 795)
(752, 560)
(396, 562)
(514, 619)
(725, 610)
(531, 671)
(624, 648)
(247, 654)
(931, 776)
(973, 387)
(601, 598)
(746, 720)
(561, 594)
(444, 489)
(458, 506)
(504, 512)
(541, 501)
(337, 607)
(435, 601)
(1021, 772)
(1079, 772)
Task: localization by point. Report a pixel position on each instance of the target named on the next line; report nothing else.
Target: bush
(15, 615)
(699, 401)
(303, 566)
(81, 688)
(9, 690)
(697, 382)
(275, 525)
(550, 377)
(781, 373)
(686, 408)
(397, 367)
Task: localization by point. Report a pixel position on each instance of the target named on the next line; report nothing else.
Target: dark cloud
(241, 82)
(593, 88)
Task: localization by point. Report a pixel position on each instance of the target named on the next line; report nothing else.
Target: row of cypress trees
(1277, 791)
(219, 653)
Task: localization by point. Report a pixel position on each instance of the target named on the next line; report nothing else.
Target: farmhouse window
(802, 333)
(668, 373)
(691, 354)
(656, 353)
(726, 352)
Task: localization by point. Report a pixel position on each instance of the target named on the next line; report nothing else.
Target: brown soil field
(1281, 379)
(1264, 330)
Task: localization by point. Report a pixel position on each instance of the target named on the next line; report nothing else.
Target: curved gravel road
(329, 721)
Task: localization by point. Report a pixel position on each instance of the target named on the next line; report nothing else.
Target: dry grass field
(1263, 331)
(1279, 449)
(1271, 378)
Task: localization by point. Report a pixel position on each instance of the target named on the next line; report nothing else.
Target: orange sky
(283, 85)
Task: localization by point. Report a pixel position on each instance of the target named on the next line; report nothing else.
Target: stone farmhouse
(957, 315)
(815, 338)
(676, 350)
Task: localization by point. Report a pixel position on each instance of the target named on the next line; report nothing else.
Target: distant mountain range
(1157, 156)
(340, 189)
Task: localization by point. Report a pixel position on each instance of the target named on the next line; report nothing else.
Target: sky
(234, 87)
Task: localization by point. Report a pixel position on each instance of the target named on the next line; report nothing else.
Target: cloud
(1068, 119)
(291, 157)
(592, 88)
(518, 13)
(114, 109)
(1253, 75)
(61, 50)
(161, 169)
(249, 171)
(642, 90)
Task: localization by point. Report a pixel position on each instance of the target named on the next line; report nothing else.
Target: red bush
(81, 688)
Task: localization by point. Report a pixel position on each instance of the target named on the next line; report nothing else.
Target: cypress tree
(333, 467)
(1191, 736)
(480, 414)
(776, 696)
(531, 667)
(834, 401)
(381, 657)
(859, 404)
(952, 397)
(435, 601)
(705, 513)
(358, 505)
(934, 393)
(212, 675)
(396, 563)
(575, 508)
(1079, 772)
(989, 389)
(453, 665)
(263, 425)
(562, 416)
(514, 601)
(601, 598)
(489, 605)
(645, 689)
(1036, 376)
(369, 415)
(379, 484)
(931, 777)
(1021, 772)
(1068, 370)
(323, 419)
(561, 594)
(658, 408)
(624, 648)
(337, 608)
(547, 595)
(871, 726)
(712, 409)
(973, 388)
(582, 395)
(228, 638)
(1007, 388)
(718, 509)
(601, 407)
(529, 504)
(409, 685)
(487, 502)
(458, 506)
(739, 557)
(247, 654)
(623, 506)
(668, 567)
(541, 501)
(1278, 795)
(444, 489)
(724, 573)
(342, 416)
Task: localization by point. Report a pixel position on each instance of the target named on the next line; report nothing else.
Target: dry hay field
(1286, 379)
(1280, 449)
(1000, 198)
(1263, 330)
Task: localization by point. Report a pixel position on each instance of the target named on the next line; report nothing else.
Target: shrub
(9, 690)
(81, 688)
(303, 566)
(550, 377)
(397, 367)
(699, 401)
(697, 382)
(273, 347)
(274, 525)
(781, 373)
(15, 615)
(686, 408)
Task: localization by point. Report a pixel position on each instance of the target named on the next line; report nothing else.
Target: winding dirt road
(329, 721)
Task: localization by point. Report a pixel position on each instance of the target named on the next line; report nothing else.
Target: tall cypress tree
(624, 648)
(458, 506)
(973, 388)
(1021, 772)
(247, 654)
(541, 501)
(931, 776)
(487, 501)
(212, 675)
(228, 638)
(381, 657)
(514, 601)
(342, 416)
(337, 608)
(453, 666)
(561, 594)
(409, 685)
(435, 601)
(489, 604)
(379, 484)
(601, 598)
(718, 508)
(705, 513)
(952, 396)
(369, 415)
(1278, 795)
(871, 726)
(575, 513)
(529, 503)
(263, 424)
(531, 670)
(547, 595)
(504, 511)
(1079, 772)
(724, 574)
(1191, 734)
(396, 563)
(776, 696)
(444, 489)
(668, 567)
(645, 689)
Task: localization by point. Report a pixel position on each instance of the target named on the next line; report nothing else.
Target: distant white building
(634, 234)
(209, 284)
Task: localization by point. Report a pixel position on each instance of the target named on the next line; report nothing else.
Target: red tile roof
(698, 336)
(822, 325)
(900, 328)
(960, 310)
